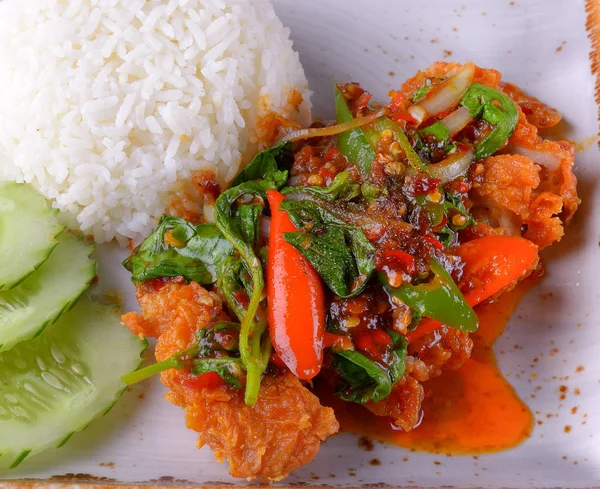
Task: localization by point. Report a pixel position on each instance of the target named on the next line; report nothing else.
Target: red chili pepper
(403, 116)
(491, 264)
(209, 380)
(375, 342)
(296, 300)
(433, 242)
(390, 257)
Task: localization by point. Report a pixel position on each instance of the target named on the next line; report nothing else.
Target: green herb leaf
(352, 144)
(268, 161)
(255, 348)
(341, 254)
(229, 369)
(482, 101)
(364, 380)
(204, 248)
(341, 189)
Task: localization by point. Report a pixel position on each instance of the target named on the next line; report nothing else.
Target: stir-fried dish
(350, 253)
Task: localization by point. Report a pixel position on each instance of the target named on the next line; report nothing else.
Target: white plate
(542, 46)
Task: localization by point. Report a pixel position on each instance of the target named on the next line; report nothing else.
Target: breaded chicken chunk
(282, 432)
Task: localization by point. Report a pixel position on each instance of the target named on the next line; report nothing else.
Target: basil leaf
(249, 219)
(268, 161)
(341, 254)
(203, 249)
(342, 189)
(229, 369)
(254, 350)
(481, 101)
(233, 287)
(364, 380)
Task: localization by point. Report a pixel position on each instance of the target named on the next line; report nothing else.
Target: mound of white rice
(106, 106)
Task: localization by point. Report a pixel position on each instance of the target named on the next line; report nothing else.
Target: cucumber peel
(28, 231)
(55, 385)
(42, 297)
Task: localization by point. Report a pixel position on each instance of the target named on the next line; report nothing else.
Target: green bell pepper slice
(439, 299)
(353, 144)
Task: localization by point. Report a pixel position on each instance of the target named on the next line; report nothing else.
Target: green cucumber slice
(40, 299)
(56, 384)
(28, 228)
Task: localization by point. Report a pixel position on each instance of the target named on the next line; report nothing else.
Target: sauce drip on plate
(468, 411)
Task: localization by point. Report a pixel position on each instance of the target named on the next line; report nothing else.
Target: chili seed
(395, 148)
(459, 220)
(435, 196)
(352, 322)
(315, 180)
(478, 169)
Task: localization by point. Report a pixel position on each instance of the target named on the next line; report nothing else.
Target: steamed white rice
(107, 105)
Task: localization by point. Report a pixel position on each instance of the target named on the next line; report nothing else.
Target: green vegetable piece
(497, 109)
(28, 231)
(204, 247)
(278, 157)
(62, 380)
(438, 130)
(374, 132)
(439, 299)
(341, 254)
(364, 380)
(254, 348)
(341, 189)
(41, 298)
(370, 191)
(353, 144)
(229, 369)
(419, 93)
(248, 216)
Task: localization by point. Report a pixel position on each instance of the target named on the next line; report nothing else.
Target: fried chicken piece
(443, 349)
(556, 158)
(429, 356)
(536, 112)
(403, 405)
(508, 196)
(280, 433)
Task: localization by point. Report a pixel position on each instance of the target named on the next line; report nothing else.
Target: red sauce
(468, 411)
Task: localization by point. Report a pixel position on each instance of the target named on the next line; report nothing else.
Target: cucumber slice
(56, 384)
(40, 299)
(28, 228)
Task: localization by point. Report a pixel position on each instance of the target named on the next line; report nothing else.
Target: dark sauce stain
(365, 443)
(375, 462)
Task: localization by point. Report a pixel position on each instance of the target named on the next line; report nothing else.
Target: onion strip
(457, 120)
(319, 132)
(443, 96)
(452, 167)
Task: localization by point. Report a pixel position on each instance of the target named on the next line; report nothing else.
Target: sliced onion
(457, 120)
(547, 159)
(445, 95)
(317, 132)
(452, 167)
(418, 113)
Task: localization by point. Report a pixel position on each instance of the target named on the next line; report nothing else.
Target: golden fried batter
(282, 432)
